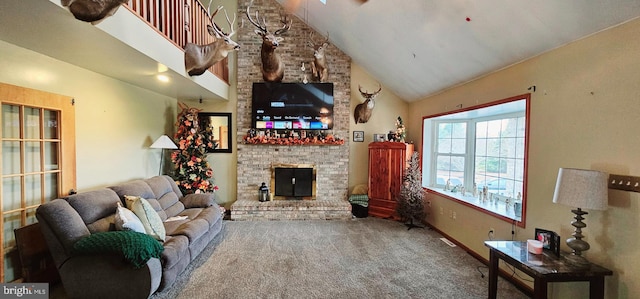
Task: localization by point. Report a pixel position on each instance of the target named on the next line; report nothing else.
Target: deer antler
(286, 24)
(367, 95)
(312, 44)
(218, 31)
(263, 26)
(213, 25)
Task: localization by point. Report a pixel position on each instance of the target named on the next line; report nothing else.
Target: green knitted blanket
(137, 248)
(359, 199)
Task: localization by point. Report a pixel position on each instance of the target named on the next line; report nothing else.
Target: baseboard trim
(504, 274)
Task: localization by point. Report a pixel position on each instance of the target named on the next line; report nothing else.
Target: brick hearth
(290, 210)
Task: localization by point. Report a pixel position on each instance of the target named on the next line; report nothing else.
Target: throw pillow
(137, 248)
(360, 189)
(127, 220)
(150, 219)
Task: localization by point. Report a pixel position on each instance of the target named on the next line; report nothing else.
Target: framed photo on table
(358, 136)
(379, 137)
(550, 240)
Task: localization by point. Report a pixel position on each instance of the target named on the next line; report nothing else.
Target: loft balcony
(143, 39)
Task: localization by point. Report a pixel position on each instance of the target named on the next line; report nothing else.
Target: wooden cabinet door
(379, 174)
(387, 163)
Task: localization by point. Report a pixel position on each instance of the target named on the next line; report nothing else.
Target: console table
(544, 268)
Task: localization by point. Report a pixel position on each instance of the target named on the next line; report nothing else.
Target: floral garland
(192, 171)
(287, 138)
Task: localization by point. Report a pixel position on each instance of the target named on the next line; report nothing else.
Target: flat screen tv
(295, 106)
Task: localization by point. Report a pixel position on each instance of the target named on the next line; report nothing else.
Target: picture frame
(379, 137)
(358, 136)
(550, 240)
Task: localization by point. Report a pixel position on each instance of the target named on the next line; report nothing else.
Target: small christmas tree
(192, 171)
(410, 205)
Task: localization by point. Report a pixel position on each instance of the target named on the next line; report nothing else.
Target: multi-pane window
(480, 149)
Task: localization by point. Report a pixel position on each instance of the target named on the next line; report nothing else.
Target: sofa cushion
(103, 224)
(133, 188)
(171, 226)
(94, 205)
(149, 217)
(211, 214)
(125, 219)
(200, 200)
(137, 248)
(193, 229)
(165, 193)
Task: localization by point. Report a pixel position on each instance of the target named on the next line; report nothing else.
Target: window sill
(497, 208)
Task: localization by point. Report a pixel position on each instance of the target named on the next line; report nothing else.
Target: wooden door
(38, 161)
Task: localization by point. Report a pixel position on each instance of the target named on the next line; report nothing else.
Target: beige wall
(583, 114)
(387, 108)
(115, 121)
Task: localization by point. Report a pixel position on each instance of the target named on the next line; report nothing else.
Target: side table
(544, 268)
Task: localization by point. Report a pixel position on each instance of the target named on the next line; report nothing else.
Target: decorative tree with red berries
(192, 171)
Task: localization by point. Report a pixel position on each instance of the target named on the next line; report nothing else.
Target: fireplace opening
(293, 182)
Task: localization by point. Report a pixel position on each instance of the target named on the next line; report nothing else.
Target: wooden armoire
(387, 164)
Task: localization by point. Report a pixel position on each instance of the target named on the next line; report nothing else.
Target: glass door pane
(10, 121)
(31, 123)
(32, 190)
(32, 156)
(51, 155)
(11, 193)
(10, 157)
(51, 124)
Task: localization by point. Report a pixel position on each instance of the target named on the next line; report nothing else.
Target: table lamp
(580, 189)
(163, 142)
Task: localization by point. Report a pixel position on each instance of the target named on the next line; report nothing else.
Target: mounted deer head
(92, 11)
(197, 58)
(362, 113)
(272, 65)
(319, 63)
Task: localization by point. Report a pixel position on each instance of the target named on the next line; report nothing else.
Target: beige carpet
(360, 258)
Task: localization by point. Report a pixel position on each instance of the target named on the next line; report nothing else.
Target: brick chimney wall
(254, 161)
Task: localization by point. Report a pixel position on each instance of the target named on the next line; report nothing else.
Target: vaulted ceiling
(415, 48)
(418, 48)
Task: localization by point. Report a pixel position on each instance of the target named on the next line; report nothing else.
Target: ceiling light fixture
(162, 78)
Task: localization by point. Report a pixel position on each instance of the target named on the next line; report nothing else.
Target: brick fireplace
(255, 162)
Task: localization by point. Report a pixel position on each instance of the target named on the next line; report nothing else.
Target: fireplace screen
(293, 183)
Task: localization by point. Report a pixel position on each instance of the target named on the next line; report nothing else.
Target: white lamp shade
(585, 189)
(164, 142)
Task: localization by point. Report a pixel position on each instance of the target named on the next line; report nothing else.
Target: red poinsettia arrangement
(192, 171)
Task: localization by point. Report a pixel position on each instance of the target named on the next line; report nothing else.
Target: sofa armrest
(200, 200)
(108, 276)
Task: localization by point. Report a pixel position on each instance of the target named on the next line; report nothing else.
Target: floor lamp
(164, 142)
